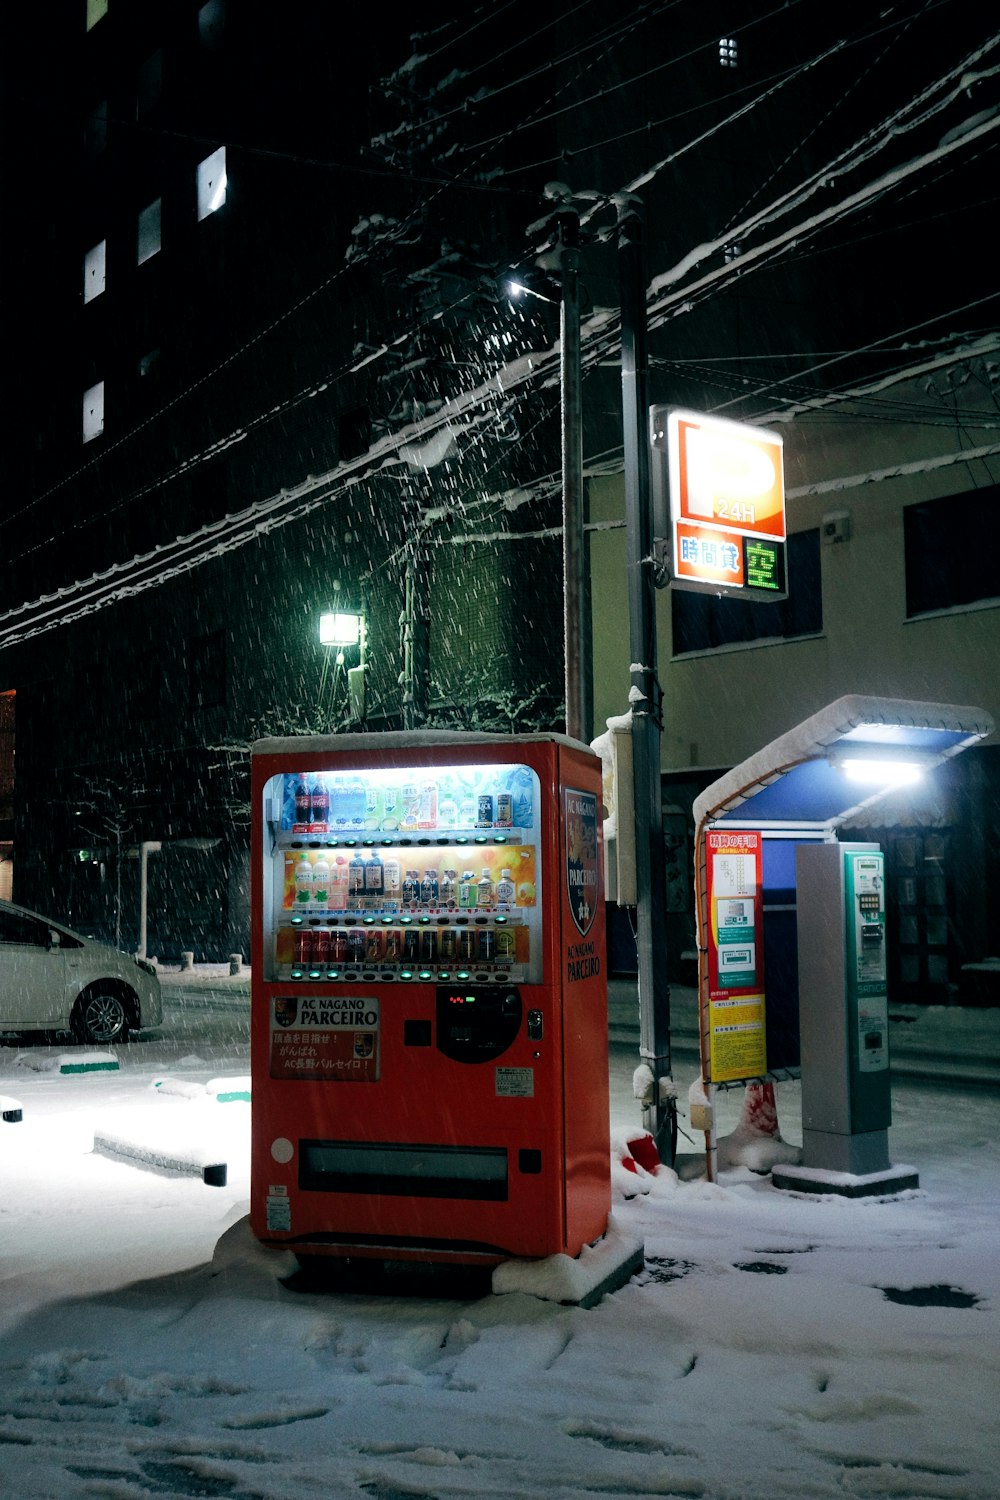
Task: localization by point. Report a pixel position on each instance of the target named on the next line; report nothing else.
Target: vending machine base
(577, 1281)
(886, 1184)
(580, 1280)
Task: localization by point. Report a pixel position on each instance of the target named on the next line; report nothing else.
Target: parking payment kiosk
(429, 1004)
(844, 1020)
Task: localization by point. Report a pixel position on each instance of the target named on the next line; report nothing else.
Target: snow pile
(756, 1142)
(66, 1063)
(190, 1137)
(563, 1278)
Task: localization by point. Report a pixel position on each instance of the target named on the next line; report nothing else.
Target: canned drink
(393, 944)
(303, 946)
(447, 942)
(322, 948)
(373, 945)
(487, 945)
(505, 810)
(485, 814)
(506, 945)
(466, 943)
(356, 945)
(428, 945)
(411, 943)
(341, 947)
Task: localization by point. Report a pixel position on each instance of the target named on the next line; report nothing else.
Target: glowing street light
(341, 629)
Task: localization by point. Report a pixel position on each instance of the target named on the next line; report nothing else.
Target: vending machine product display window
(403, 875)
(429, 1028)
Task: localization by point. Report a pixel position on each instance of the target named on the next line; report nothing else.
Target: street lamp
(343, 628)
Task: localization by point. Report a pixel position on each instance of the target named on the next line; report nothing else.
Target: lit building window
(95, 10)
(211, 183)
(148, 238)
(93, 271)
(93, 412)
(728, 52)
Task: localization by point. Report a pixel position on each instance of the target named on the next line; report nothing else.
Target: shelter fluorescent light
(882, 772)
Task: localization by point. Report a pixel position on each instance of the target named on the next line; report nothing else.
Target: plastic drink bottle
(354, 799)
(390, 808)
(467, 811)
(374, 875)
(338, 884)
(427, 814)
(303, 881)
(447, 813)
(373, 806)
(356, 878)
(321, 882)
(319, 812)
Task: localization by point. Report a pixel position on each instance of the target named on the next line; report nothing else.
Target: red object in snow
(629, 1164)
(643, 1149)
(760, 1112)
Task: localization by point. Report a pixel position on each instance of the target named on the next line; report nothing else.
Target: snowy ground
(757, 1355)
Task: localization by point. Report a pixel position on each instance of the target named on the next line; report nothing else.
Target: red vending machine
(429, 1000)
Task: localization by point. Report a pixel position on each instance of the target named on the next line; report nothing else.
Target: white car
(52, 979)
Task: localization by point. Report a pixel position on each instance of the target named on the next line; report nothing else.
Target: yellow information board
(737, 1040)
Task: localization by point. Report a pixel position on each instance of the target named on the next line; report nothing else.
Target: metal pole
(415, 622)
(145, 849)
(579, 708)
(659, 1115)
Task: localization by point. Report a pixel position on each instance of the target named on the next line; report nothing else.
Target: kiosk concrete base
(860, 1153)
(807, 1179)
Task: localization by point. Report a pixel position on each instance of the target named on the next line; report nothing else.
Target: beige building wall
(723, 704)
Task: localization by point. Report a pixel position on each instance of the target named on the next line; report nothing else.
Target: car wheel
(101, 1016)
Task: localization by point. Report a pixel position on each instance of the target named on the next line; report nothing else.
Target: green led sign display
(764, 564)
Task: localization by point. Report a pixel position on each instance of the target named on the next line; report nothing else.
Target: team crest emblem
(581, 856)
(286, 1012)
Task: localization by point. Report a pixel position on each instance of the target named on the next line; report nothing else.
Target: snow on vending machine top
(429, 1001)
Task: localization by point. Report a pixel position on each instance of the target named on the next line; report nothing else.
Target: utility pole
(414, 621)
(659, 1115)
(579, 704)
